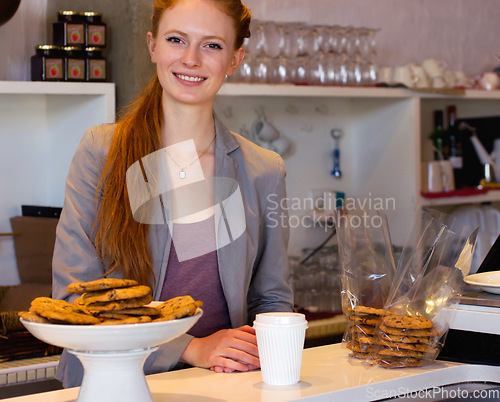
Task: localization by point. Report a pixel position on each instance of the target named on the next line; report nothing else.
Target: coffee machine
(474, 335)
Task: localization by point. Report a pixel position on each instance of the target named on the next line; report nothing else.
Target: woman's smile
(190, 78)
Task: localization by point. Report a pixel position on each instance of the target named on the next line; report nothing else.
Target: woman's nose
(190, 57)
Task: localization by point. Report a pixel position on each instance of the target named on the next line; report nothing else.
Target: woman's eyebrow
(209, 37)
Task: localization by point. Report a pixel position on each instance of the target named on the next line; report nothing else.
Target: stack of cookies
(392, 340)
(362, 321)
(109, 301)
(406, 341)
(114, 301)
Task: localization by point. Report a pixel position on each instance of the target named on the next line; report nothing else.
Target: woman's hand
(226, 350)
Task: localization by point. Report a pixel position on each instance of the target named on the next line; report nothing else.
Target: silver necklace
(182, 171)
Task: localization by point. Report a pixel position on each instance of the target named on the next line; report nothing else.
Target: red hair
(122, 242)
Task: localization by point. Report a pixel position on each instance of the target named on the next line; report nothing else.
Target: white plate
(111, 337)
(487, 281)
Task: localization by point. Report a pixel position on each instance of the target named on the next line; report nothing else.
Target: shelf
(286, 90)
(57, 88)
(230, 89)
(490, 196)
(106, 90)
(41, 124)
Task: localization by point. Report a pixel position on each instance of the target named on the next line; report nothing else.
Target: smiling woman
(205, 228)
(194, 50)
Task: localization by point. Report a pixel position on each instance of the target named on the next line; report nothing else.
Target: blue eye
(173, 39)
(214, 46)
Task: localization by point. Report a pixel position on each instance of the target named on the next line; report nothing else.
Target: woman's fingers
(247, 328)
(225, 351)
(221, 369)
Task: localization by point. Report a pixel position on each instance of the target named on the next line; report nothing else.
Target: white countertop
(328, 373)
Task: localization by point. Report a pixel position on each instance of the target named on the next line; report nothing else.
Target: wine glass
(305, 40)
(290, 45)
(244, 72)
(260, 69)
(271, 37)
(342, 69)
(301, 70)
(353, 41)
(369, 72)
(282, 70)
(320, 39)
(317, 69)
(330, 68)
(367, 36)
(256, 43)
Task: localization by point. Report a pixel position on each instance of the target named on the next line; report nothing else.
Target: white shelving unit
(385, 139)
(41, 125)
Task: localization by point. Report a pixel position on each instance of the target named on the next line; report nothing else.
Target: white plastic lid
(280, 318)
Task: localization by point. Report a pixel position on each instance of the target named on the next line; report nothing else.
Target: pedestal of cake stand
(114, 376)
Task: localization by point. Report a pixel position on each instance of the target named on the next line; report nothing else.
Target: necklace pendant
(182, 174)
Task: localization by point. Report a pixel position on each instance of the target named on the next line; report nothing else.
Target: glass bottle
(455, 142)
(437, 136)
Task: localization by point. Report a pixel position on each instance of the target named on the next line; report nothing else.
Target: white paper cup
(447, 177)
(280, 339)
(432, 178)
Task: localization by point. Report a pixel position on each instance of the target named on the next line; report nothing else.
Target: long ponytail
(122, 242)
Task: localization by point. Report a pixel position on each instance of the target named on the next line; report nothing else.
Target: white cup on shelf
(404, 75)
(432, 179)
(447, 178)
(489, 81)
(385, 75)
(450, 78)
(434, 68)
(461, 79)
(438, 82)
(420, 76)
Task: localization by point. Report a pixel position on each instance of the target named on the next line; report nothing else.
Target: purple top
(193, 270)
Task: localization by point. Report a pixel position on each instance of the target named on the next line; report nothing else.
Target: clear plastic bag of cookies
(412, 328)
(367, 273)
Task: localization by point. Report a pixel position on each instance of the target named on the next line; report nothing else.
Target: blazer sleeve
(75, 257)
(270, 288)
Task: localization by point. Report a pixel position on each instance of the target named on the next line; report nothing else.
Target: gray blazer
(253, 268)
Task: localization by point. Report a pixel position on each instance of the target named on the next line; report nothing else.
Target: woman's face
(194, 51)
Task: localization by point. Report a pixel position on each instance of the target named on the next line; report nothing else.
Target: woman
(222, 249)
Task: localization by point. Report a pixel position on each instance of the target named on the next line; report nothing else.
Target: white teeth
(192, 79)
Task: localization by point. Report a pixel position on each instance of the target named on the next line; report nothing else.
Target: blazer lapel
(225, 185)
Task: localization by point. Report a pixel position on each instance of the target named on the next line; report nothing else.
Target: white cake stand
(112, 355)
